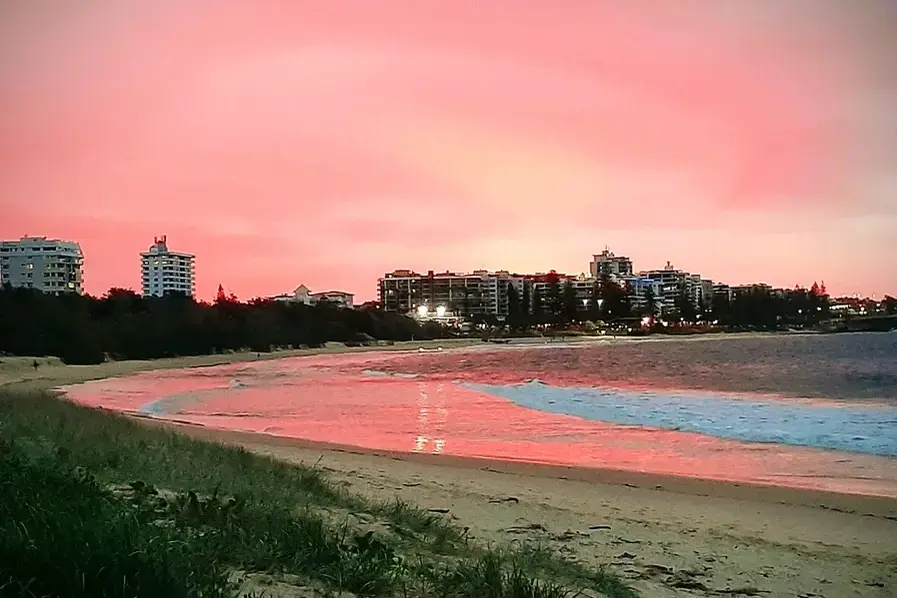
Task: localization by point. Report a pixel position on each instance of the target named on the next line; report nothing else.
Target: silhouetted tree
(720, 308)
(890, 305)
(684, 307)
(555, 300)
(516, 316)
(595, 301)
(538, 310)
(650, 302)
(570, 304)
(614, 298)
(124, 325)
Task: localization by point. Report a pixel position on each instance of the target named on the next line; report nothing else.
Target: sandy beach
(669, 536)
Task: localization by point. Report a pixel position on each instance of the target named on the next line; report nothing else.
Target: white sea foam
(381, 374)
(859, 429)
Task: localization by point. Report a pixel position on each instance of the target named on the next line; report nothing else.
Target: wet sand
(671, 536)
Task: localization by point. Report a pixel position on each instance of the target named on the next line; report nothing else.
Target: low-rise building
(338, 298)
(48, 265)
(302, 294)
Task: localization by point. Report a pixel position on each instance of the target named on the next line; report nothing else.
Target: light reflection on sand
(341, 399)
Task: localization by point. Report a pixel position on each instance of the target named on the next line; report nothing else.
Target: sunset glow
(325, 143)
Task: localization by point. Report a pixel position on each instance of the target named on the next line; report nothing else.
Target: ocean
(813, 411)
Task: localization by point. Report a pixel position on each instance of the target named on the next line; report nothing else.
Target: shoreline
(52, 372)
(867, 505)
(65, 375)
(734, 537)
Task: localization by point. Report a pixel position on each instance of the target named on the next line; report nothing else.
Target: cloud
(329, 141)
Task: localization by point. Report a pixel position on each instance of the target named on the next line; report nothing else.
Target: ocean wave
(861, 429)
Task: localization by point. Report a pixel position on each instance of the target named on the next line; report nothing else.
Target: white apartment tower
(165, 271)
(48, 265)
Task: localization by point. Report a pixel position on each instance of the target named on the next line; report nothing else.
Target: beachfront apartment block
(478, 293)
(485, 293)
(164, 272)
(617, 267)
(671, 283)
(583, 286)
(48, 265)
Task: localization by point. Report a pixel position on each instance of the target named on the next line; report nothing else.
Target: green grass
(97, 504)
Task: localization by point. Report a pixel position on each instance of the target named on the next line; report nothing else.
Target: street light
(440, 311)
(422, 311)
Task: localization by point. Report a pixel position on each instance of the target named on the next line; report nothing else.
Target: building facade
(484, 293)
(479, 293)
(48, 265)
(617, 267)
(164, 271)
(637, 288)
(302, 294)
(671, 283)
(583, 287)
(337, 298)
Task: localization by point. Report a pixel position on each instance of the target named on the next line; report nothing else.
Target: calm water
(807, 411)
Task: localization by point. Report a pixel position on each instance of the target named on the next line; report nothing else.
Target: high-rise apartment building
(672, 283)
(48, 265)
(165, 272)
(615, 266)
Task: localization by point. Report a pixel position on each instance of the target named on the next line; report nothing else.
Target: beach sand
(19, 372)
(669, 536)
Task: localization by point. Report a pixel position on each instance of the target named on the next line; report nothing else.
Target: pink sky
(326, 142)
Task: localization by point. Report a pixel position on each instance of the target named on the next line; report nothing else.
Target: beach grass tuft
(94, 503)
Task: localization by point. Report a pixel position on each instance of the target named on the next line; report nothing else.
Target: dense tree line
(124, 325)
(559, 305)
(765, 309)
(757, 308)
